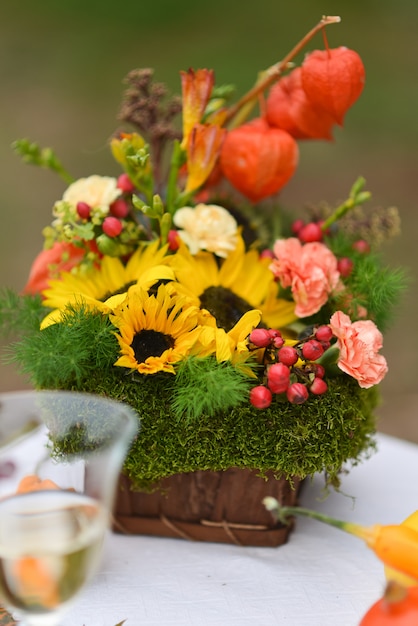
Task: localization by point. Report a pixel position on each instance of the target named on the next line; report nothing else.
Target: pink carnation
(359, 343)
(310, 270)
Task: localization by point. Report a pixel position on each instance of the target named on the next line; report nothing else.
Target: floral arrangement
(243, 336)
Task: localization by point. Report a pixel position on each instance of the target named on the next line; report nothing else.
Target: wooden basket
(224, 507)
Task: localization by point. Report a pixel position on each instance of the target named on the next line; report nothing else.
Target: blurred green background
(61, 70)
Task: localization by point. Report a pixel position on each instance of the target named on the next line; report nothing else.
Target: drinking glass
(60, 456)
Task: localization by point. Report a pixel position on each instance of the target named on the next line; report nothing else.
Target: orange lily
(203, 149)
(196, 90)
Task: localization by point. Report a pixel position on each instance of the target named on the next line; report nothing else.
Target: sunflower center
(224, 305)
(123, 289)
(148, 343)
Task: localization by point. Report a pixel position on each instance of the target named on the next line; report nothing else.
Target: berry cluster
(112, 225)
(290, 369)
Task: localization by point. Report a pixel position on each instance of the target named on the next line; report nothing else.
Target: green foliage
(19, 314)
(66, 353)
(33, 154)
(206, 386)
(376, 288)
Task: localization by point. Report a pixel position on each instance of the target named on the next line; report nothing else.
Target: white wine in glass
(61, 453)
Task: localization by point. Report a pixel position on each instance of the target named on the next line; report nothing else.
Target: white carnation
(97, 191)
(207, 227)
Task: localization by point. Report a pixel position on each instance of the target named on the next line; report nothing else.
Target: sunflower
(230, 288)
(228, 346)
(155, 330)
(105, 286)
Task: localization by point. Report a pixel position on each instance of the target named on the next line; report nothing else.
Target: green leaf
(33, 154)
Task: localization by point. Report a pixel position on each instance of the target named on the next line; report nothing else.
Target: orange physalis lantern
(258, 160)
(333, 79)
(288, 107)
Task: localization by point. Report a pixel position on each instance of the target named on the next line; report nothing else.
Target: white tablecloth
(321, 577)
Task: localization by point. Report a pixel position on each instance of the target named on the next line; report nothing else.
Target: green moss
(183, 429)
(321, 435)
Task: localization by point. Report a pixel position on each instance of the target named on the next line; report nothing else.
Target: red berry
(267, 254)
(297, 393)
(173, 240)
(119, 208)
(278, 342)
(323, 333)
(260, 337)
(310, 232)
(345, 266)
(125, 184)
(319, 386)
(278, 378)
(288, 355)
(312, 350)
(319, 370)
(361, 246)
(297, 226)
(83, 210)
(112, 227)
(274, 333)
(260, 397)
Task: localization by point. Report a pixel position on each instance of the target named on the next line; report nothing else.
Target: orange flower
(49, 263)
(203, 149)
(196, 90)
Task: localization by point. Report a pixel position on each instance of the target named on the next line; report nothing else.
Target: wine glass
(60, 456)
